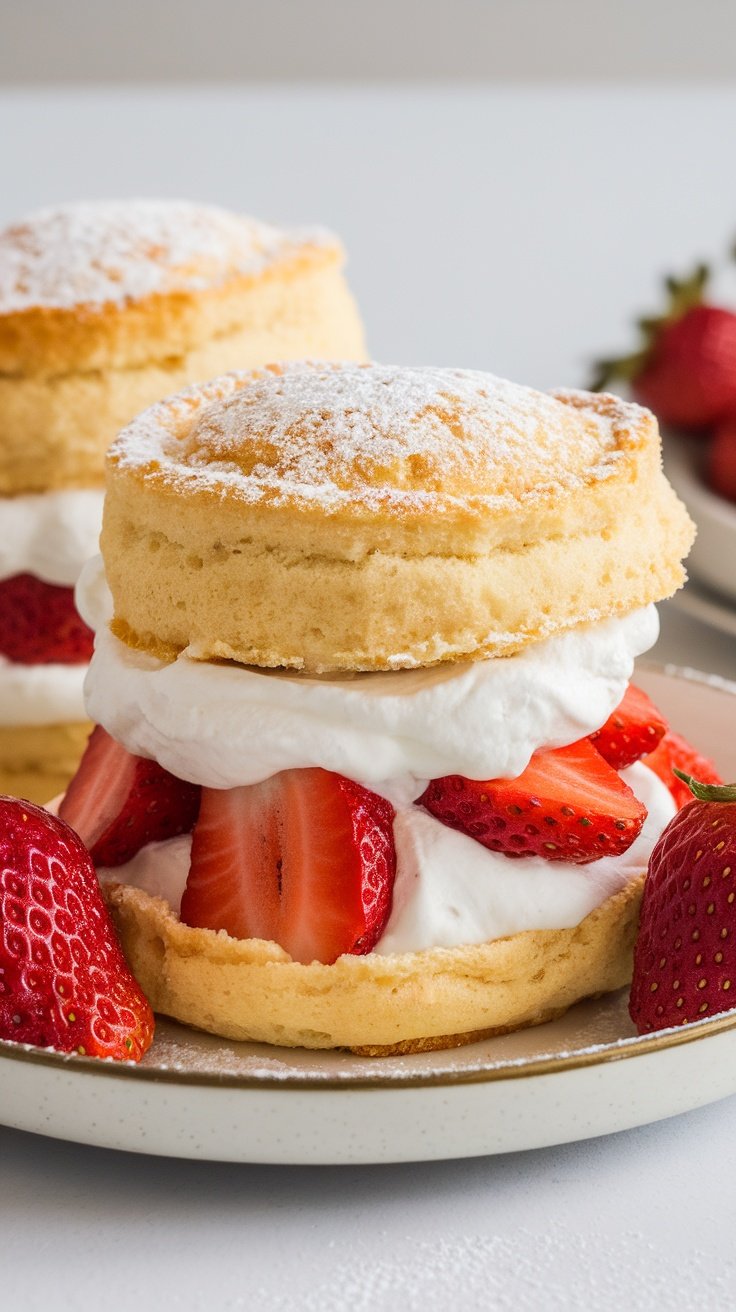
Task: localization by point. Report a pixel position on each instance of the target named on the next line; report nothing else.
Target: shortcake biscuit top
(383, 438)
(100, 252)
(338, 517)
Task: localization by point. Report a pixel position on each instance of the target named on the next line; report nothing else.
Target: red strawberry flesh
(118, 802)
(568, 805)
(631, 731)
(64, 982)
(39, 623)
(305, 859)
(689, 379)
(674, 750)
(685, 955)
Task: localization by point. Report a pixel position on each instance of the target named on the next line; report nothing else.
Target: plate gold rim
(619, 1050)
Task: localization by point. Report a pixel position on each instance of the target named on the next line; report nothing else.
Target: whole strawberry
(685, 368)
(64, 982)
(685, 954)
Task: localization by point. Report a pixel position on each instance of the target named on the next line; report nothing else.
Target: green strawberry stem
(707, 792)
(682, 294)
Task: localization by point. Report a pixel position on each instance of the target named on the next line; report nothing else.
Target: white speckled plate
(585, 1075)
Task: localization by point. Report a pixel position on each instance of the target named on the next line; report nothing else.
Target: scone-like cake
(361, 517)
(104, 308)
(399, 858)
(107, 306)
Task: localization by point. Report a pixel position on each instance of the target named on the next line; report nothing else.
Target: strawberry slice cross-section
(568, 805)
(305, 859)
(118, 802)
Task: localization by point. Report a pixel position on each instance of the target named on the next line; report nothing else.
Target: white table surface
(516, 230)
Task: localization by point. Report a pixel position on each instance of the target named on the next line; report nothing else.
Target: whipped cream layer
(224, 725)
(41, 694)
(449, 890)
(50, 534)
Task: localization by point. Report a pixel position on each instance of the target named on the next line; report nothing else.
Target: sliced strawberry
(632, 730)
(305, 859)
(568, 805)
(39, 624)
(64, 982)
(118, 802)
(673, 750)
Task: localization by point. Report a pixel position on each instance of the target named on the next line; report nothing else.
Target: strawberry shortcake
(369, 771)
(104, 308)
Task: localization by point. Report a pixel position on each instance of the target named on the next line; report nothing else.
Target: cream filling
(50, 534)
(41, 694)
(223, 726)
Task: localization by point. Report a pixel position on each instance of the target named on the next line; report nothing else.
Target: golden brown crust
(377, 1005)
(369, 518)
(117, 284)
(56, 429)
(46, 343)
(106, 308)
(37, 761)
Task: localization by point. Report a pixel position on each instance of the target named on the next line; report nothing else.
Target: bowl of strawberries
(685, 371)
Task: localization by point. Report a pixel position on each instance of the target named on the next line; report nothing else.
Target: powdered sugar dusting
(376, 435)
(98, 252)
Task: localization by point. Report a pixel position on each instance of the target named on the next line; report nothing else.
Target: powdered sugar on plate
(97, 252)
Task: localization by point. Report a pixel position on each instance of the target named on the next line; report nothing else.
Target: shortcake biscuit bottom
(37, 761)
(374, 1005)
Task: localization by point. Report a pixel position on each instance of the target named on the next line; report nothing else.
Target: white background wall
(511, 177)
(515, 228)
